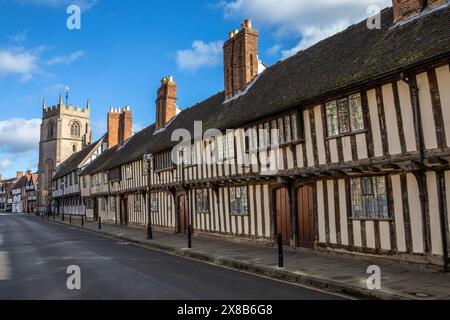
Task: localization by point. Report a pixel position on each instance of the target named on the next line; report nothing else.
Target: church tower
(65, 129)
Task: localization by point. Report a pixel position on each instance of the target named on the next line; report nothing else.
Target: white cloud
(19, 135)
(67, 59)
(22, 63)
(312, 21)
(201, 55)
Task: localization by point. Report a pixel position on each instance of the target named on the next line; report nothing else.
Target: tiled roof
(20, 183)
(352, 57)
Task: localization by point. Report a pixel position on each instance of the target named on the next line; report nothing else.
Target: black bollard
(190, 237)
(63, 216)
(149, 232)
(82, 221)
(280, 251)
(99, 223)
(70, 218)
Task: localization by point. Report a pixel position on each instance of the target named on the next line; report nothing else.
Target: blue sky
(124, 48)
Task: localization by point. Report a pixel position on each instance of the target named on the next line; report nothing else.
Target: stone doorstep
(270, 272)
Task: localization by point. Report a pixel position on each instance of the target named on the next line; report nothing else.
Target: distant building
(30, 192)
(6, 196)
(17, 193)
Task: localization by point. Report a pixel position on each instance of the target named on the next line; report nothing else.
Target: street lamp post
(148, 157)
(183, 182)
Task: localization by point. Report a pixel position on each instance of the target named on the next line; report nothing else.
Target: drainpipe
(439, 176)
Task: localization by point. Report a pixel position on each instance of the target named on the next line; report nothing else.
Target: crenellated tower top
(61, 108)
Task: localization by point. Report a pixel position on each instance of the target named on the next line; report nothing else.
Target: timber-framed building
(362, 145)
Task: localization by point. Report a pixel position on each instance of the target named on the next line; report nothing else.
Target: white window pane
(357, 121)
(332, 118)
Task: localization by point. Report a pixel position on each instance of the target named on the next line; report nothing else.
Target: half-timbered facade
(344, 146)
(66, 182)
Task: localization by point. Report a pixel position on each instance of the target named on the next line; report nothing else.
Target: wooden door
(183, 214)
(305, 217)
(283, 215)
(124, 211)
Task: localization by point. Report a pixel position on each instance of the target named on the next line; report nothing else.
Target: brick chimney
(19, 174)
(240, 54)
(166, 102)
(125, 125)
(113, 127)
(28, 173)
(120, 126)
(405, 9)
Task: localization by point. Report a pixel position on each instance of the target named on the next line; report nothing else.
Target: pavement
(35, 255)
(339, 273)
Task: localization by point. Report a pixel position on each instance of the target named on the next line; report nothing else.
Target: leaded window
(344, 115)
(202, 200)
(332, 119)
(128, 172)
(357, 121)
(239, 201)
(137, 203)
(154, 202)
(369, 199)
(75, 129)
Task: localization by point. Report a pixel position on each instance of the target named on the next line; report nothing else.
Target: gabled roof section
(74, 161)
(352, 57)
(20, 183)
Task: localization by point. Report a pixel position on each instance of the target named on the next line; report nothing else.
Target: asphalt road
(35, 255)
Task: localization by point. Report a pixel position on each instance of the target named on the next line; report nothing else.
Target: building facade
(318, 149)
(65, 130)
(30, 192)
(66, 182)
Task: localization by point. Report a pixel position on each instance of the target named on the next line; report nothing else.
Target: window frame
(202, 205)
(75, 129)
(154, 204)
(137, 203)
(233, 190)
(355, 120)
(128, 172)
(375, 199)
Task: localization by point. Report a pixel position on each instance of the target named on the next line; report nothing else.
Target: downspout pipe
(440, 176)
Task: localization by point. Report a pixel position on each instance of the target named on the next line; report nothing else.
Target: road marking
(5, 266)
